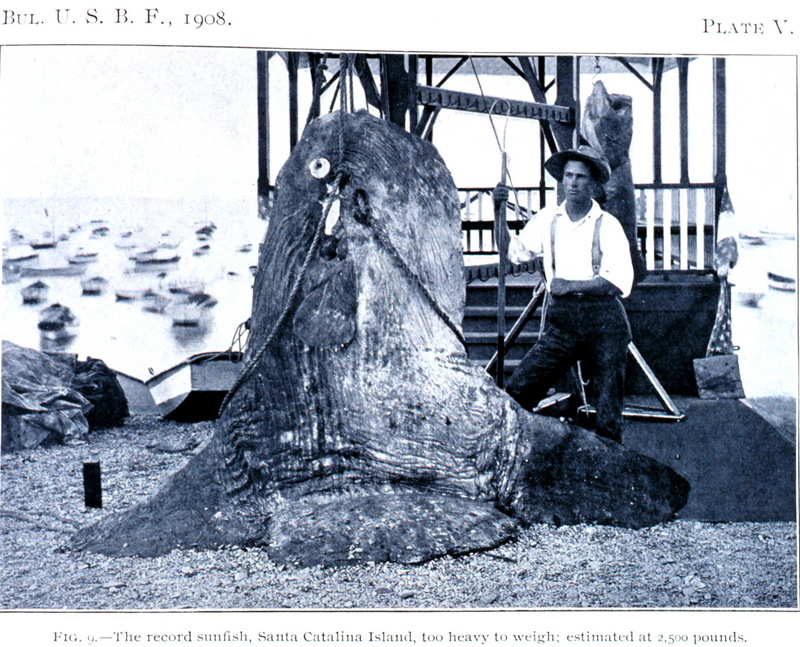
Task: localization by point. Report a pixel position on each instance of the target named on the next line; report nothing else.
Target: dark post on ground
(92, 485)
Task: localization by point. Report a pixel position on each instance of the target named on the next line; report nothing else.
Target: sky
(180, 123)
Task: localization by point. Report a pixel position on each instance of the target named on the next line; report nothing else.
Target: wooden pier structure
(672, 311)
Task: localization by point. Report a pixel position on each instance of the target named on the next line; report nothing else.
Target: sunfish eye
(319, 167)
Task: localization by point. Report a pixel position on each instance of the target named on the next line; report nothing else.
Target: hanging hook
(502, 145)
(597, 70)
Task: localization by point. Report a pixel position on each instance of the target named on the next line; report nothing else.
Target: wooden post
(658, 68)
(291, 65)
(397, 88)
(565, 96)
(720, 136)
(501, 236)
(683, 92)
(412, 92)
(262, 66)
(92, 486)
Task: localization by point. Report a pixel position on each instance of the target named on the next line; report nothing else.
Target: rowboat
(94, 286)
(136, 393)
(154, 261)
(35, 292)
(83, 256)
(194, 389)
(192, 310)
(781, 282)
(55, 270)
(56, 317)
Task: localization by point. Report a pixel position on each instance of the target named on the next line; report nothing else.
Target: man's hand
(502, 236)
(500, 194)
(560, 287)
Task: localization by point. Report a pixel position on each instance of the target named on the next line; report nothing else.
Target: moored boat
(194, 389)
(94, 286)
(53, 270)
(155, 260)
(56, 317)
(34, 293)
(83, 256)
(782, 282)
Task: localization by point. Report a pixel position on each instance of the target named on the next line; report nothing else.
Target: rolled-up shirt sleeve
(615, 266)
(528, 244)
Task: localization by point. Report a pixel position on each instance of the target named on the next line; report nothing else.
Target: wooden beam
(262, 70)
(565, 81)
(658, 69)
(633, 71)
(367, 81)
(720, 133)
(537, 91)
(413, 72)
(396, 90)
(438, 97)
(683, 116)
(291, 66)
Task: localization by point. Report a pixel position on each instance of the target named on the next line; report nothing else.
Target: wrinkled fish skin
(364, 432)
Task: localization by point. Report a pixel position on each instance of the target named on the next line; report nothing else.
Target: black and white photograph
(341, 330)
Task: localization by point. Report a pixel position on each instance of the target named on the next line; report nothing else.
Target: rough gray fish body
(607, 125)
(363, 432)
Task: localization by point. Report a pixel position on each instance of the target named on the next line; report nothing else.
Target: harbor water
(141, 343)
(127, 334)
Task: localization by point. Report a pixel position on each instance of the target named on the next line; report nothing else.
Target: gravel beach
(676, 565)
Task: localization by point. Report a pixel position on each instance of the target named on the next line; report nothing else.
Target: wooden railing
(676, 224)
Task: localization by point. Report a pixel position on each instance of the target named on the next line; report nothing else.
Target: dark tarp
(46, 401)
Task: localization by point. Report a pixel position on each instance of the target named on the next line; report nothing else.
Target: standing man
(587, 267)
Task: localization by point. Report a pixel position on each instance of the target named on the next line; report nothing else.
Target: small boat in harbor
(202, 250)
(56, 317)
(19, 255)
(206, 230)
(100, 232)
(154, 302)
(35, 293)
(751, 239)
(53, 270)
(185, 285)
(46, 241)
(83, 256)
(749, 299)
(782, 282)
(192, 311)
(155, 260)
(94, 286)
(194, 389)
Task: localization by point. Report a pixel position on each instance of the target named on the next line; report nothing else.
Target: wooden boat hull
(67, 270)
(781, 282)
(194, 389)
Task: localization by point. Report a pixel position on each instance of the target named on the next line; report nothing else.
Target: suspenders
(597, 253)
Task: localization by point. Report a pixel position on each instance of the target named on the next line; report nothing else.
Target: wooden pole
(658, 66)
(262, 65)
(92, 487)
(501, 237)
(683, 92)
(291, 66)
(720, 135)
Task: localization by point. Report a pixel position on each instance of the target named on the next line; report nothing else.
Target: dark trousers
(590, 328)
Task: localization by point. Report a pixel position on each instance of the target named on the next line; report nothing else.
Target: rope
(389, 247)
(248, 369)
(500, 145)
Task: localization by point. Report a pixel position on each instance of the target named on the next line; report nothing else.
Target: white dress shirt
(573, 246)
